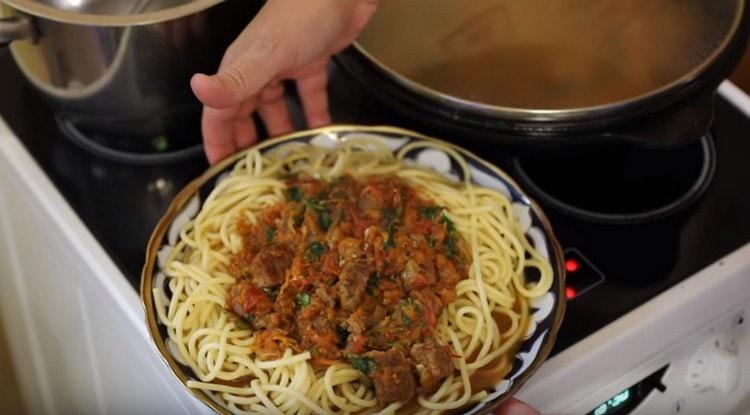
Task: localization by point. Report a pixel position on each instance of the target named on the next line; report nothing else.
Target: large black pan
(685, 55)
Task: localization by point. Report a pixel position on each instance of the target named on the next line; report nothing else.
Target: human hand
(288, 39)
(515, 407)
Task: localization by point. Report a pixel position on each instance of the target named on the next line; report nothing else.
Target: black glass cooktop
(612, 268)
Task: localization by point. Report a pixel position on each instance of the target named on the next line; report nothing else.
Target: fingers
(515, 407)
(245, 133)
(226, 131)
(311, 85)
(283, 38)
(256, 57)
(273, 110)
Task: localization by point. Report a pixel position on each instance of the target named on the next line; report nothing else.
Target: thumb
(230, 87)
(259, 63)
(218, 91)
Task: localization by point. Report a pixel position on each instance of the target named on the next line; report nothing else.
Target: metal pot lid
(111, 12)
(548, 61)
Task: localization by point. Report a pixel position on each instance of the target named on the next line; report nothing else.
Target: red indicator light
(570, 292)
(572, 265)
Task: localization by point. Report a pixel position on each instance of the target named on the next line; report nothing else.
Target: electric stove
(617, 260)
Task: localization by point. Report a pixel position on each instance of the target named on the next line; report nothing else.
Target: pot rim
(44, 11)
(570, 114)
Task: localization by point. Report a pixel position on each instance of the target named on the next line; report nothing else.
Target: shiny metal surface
(541, 60)
(127, 80)
(111, 12)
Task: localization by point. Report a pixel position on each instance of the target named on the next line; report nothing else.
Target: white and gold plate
(546, 311)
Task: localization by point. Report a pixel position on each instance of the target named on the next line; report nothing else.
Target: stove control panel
(709, 371)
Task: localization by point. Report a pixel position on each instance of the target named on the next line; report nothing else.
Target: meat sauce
(352, 271)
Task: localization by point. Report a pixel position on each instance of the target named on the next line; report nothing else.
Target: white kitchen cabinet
(74, 324)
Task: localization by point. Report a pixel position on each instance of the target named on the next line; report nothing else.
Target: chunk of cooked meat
(431, 305)
(448, 276)
(434, 364)
(269, 265)
(316, 331)
(392, 377)
(354, 274)
(350, 250)
(352, 284)
(418, 273)
(362, 319)
(326, 294)
(247, 300)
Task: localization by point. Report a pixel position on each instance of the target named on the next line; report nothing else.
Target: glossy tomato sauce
(352, 271)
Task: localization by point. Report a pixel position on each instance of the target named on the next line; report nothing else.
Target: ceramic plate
(546, 311)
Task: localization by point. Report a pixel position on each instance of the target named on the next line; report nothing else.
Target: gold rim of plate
(182, 198)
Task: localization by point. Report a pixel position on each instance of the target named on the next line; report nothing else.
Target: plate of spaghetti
(353, 270)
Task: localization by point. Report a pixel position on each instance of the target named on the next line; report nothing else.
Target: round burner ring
(695, 190)
(81, 139)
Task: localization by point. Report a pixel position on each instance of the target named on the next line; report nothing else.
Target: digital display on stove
(613, 404)
(628, 399)
(581, 274)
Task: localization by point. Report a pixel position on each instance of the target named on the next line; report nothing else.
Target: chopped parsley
(391, 215)
(294, 193)
(363, 364)
(373, 282)
(315, 204)
(314, 251)
(324, 219)
(429, 212)
(390, 242)
(449, 226)
(270, 234)
(451, 250)
(405, 318)
(303, 299)
(318, 205)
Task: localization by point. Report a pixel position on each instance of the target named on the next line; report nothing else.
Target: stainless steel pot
(121, 67)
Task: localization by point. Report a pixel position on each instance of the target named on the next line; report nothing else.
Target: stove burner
(162, 149)
(618, 184)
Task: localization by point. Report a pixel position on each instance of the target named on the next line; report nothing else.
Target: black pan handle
(17, 27)
(682, 123)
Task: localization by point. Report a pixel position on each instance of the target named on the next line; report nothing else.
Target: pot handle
(674, 126)
(17, 28)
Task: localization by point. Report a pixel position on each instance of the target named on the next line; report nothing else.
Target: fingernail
(207, 79)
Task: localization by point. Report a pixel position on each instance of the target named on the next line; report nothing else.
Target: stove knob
(715, 366)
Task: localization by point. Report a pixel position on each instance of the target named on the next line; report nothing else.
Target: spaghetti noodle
(483, 326)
